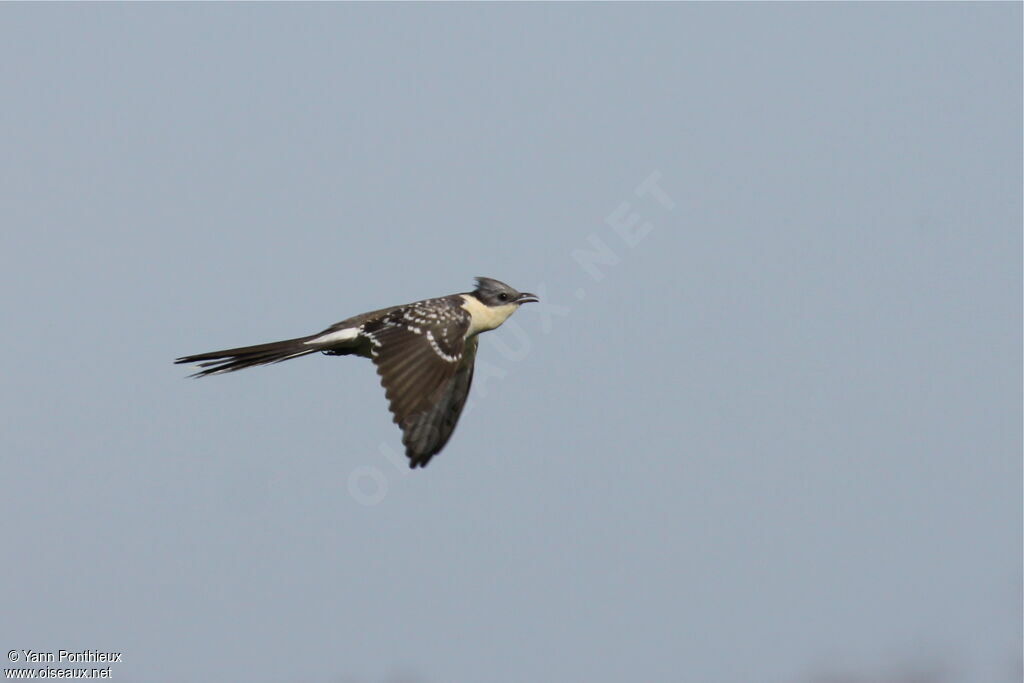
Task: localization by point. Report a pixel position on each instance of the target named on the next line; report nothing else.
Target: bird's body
(424, 352)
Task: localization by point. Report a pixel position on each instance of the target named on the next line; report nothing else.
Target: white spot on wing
(437, 349)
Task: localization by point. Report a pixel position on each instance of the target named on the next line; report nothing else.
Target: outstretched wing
(426, 368)
(425, 433)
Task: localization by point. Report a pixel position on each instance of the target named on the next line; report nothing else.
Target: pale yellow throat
(483, 318)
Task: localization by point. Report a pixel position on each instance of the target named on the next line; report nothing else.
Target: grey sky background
(778, 439)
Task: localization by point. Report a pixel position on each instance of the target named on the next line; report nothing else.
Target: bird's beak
(527, 298)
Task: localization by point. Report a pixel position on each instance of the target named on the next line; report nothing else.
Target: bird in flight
(424, 353)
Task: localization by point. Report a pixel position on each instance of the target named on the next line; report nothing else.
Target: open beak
(527, 298)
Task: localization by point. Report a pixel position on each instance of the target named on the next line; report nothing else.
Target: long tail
(229, 360)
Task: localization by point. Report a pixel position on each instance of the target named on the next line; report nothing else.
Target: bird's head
(493, 293)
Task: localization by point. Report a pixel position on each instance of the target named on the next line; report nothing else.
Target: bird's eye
(503, 296)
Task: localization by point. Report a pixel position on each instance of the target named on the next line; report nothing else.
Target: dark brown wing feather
(410, 371)
(425, 433)
(421, 363)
